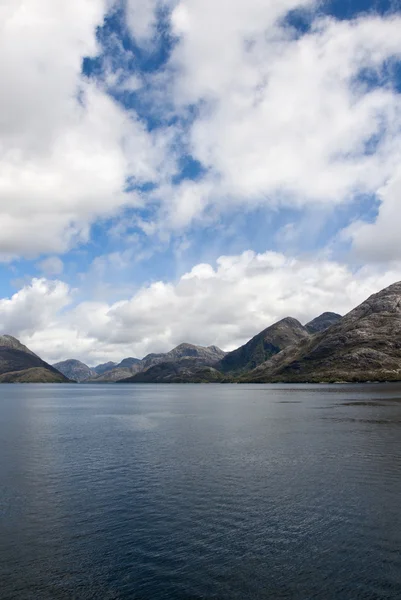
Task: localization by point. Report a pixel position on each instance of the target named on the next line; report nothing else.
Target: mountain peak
(74, 369)
(322, 322)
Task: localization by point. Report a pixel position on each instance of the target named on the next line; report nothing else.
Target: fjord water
(200, 491)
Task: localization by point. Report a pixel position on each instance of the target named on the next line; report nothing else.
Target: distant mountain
(126, 368)
(184, 370)
(128, 363)
(18, 364)
(74, 370)
(100, 369)
(204, 355)
(324, 321)
(185, 363)
(365, 345)
(264, 345)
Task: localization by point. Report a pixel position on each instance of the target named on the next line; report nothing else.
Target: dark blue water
(196, 492)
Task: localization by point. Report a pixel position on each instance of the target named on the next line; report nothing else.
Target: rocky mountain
(126, 368)
(18, 364)
(204, 355)
(104, 367)
(185, 363)
(185, 370)
(263, 346)
(324, 321)
(74, 370)
(365, 345)
(128, 363)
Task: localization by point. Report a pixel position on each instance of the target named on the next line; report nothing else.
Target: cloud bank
(223, 304)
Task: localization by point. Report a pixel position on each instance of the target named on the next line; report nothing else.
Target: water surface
(190, 492)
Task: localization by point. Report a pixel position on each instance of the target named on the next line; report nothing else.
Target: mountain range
(364, 345)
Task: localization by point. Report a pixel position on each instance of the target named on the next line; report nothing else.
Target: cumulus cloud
(273, 117)
(223, 304)
(66, 148)
(380, 241)
(283, 118)
(35, 307)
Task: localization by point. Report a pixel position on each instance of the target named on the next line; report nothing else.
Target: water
(195, 492)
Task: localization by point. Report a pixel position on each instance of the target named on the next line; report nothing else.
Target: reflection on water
(191, 492)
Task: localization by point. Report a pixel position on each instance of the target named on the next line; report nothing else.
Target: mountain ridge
(365, 345)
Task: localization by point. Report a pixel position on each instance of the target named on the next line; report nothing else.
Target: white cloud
(380, 241)
(141, 18)
(282, 119)
(34, 308)
(66, 148)
(223, 304)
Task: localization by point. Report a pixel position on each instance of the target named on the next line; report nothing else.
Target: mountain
(74, 370)
(264, 345)
(324, 321)
(18, 364)
(365, 345)
(204, 355)
(185, 363)
(185, 370)
(104, 367)
(128, 363)
(126, 368)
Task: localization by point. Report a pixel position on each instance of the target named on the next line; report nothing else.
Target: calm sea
(193, 492)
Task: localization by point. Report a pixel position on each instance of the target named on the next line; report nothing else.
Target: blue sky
(143, 139)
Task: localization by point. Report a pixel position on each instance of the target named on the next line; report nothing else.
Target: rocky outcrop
(322, 322)
(263, 346)
(74, 370)
(19, 364)
(365, 345)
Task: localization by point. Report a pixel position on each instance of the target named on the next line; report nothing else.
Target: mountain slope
(126, 368)
(364, 346)
(262, 346)
(206, 355)
(74, 370)
(104, 367)
(322, 322)
(185, 370)
(19, 364)
(185, 363)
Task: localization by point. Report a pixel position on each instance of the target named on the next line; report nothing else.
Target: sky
(193, 170)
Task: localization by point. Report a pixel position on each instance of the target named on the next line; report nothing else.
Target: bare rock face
(74, 370)
(322, 322)
(263, 346)
(365, 345)
(19, 364)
